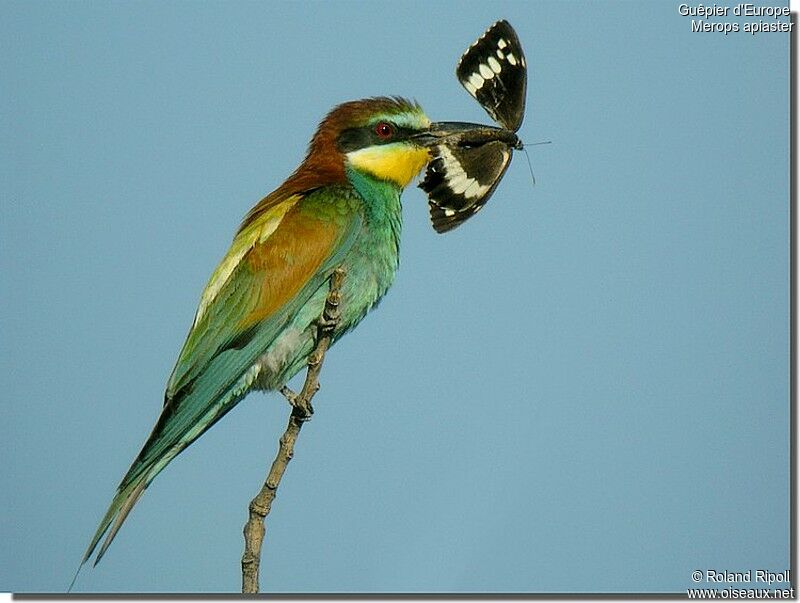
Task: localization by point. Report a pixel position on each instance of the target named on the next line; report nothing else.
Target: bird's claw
(326, 325)
(301, 408)
(290, 396)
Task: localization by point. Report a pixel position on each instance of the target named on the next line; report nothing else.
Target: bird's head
(377, 137)
(389, 139)
(386, 138)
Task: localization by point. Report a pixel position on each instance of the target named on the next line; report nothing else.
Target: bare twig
(301, 412)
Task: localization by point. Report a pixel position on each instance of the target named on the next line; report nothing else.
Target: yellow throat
(398, 163)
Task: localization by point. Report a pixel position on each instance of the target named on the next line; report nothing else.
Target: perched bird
(255, 325)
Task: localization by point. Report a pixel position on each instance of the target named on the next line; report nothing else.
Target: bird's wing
(257, 284)
(273, 267)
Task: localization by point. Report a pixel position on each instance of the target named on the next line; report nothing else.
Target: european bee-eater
(255, 325)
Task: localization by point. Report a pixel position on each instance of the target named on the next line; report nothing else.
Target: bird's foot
(301, 408)
(288, 394)
(326, 325)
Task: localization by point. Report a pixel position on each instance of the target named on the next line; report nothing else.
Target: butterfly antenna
(528, 157)
(530, 166)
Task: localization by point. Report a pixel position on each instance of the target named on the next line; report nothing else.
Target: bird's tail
(127, 495)
(175, 430)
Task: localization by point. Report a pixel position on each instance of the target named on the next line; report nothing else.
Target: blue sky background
(583, 389)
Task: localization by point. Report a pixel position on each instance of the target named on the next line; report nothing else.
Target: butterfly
(469, 160)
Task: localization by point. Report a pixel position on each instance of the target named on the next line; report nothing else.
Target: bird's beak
(445, 130)
(464, 134)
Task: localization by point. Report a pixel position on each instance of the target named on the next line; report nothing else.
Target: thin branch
(301, 411)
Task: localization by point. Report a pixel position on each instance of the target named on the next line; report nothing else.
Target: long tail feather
(118, 510)
(163, 445)
(122, 514)
(121, 505)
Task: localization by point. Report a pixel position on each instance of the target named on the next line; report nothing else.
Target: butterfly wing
(463, 173)
(460, 180)
(493, 70)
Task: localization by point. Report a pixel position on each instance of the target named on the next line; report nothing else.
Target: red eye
(384, 130)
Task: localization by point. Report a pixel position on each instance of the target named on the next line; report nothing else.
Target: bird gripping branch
(255, 326)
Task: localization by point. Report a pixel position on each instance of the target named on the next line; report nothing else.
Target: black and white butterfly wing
(467, 167)
(460, 180)
(494, 72)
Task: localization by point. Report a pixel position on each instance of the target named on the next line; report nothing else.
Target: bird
(254, 328)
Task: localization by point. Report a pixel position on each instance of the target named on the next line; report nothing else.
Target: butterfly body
(472, 135)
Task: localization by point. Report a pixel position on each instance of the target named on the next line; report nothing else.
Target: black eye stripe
(353, 139)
